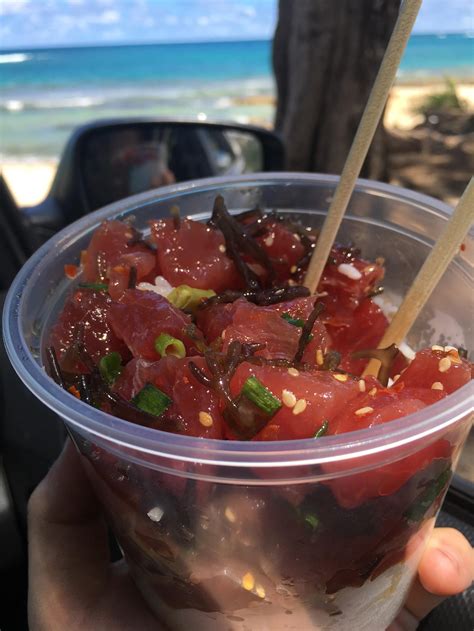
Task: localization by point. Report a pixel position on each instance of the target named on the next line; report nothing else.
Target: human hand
(73, 585)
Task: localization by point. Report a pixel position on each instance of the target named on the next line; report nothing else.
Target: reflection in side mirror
(119, 160)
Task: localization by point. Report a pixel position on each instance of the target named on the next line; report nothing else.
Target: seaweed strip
(237, 241)
(306, 331)
(386, 357)
(262, 297)
(54, 368)
(132, 278)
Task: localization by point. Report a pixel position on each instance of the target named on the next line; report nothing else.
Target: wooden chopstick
(361, 143)
(431, 271)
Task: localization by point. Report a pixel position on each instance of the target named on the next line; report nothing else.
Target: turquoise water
(45, 93)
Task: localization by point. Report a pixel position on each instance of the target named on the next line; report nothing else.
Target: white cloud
(248, 11)
(108, 17)
(12, 7)
(66, 22)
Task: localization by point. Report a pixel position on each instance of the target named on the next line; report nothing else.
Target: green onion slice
(291, 320)
(296, 322)
(188, 298)
(110, 367)
(152, 400)
(256, 392)
(168, 345)
(94, 286)
(417, 511)
(322, 430)
(312, 520)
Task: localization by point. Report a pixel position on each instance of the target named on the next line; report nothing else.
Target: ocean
(45, 93)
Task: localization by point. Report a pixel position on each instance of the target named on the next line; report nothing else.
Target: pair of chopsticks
(456, 228)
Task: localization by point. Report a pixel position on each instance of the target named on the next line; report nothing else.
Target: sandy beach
(30, 179)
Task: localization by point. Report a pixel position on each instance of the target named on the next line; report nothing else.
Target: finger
(67, 541)
(446, 568)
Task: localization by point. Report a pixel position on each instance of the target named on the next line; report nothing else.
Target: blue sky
(31, 23)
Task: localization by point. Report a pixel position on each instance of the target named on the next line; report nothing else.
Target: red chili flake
(462, 247)
(71, 271)
(74, 391)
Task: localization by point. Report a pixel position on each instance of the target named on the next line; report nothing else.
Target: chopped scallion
(256, 392)
(168, 345)
(188, 298)
(322, 430)
(110, 367)
(312, 520)
(294, 321)
(94, 286)
(419, 508)
(152, 400)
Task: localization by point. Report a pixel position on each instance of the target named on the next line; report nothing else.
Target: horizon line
(126, 43)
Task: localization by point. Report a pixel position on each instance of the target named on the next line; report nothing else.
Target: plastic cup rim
(291, 453)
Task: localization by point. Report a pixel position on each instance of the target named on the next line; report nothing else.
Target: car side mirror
(107, 161)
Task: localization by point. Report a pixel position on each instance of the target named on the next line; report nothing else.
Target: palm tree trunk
(326, 54)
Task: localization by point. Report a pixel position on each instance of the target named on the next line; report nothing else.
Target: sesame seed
(230, 515)
(319, 357)
(347, 269)
(396, 378)
(205, 419)
(155, 514)
(436, 347)
(453, 354)
(248, 581)
(340, 377)
(444, 364)
(373, 392)
(364, 411)
(361, 385)
(269, 240)
(293, 269)
(222, 248)
(293, 372)
(437, 385)
(300, 406)
(260, 591)
(288, 398)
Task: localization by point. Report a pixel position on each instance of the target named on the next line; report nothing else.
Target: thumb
(446, 568)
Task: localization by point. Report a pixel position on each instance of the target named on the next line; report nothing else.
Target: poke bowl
(252, 477)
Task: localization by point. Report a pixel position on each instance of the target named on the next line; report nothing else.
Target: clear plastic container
(306, 534)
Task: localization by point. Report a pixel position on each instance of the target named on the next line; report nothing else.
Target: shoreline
(38, 171)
